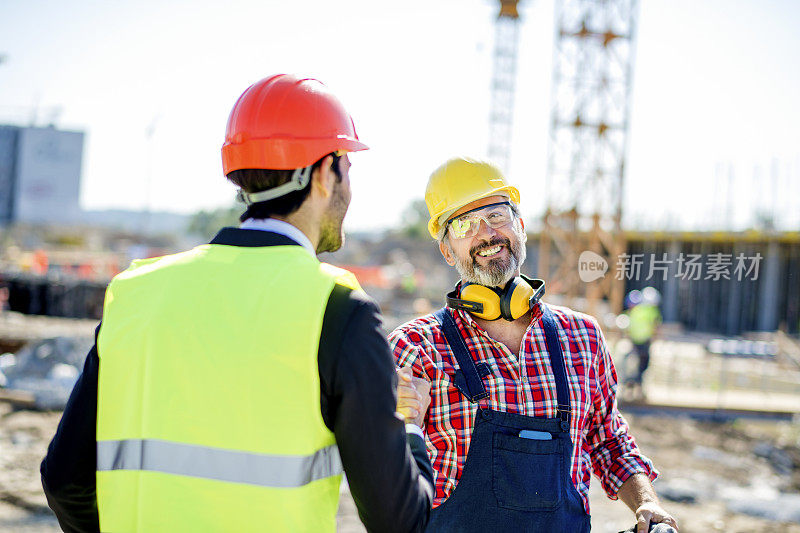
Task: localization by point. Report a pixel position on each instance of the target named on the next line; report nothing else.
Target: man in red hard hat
(231, 385)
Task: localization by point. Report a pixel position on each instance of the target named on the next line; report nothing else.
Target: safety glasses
(467, 224)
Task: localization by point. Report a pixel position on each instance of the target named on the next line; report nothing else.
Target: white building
(40, 175)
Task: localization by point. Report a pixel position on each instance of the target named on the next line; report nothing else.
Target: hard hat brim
(283, 154)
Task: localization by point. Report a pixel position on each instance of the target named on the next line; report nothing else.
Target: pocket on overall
(527, 474)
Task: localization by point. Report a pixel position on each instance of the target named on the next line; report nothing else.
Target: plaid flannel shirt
(523, 384)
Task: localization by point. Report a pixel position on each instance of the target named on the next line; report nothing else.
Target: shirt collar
(283, 228)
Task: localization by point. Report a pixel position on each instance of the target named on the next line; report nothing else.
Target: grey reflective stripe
(217, 463)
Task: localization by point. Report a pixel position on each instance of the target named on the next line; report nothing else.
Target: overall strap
(474, 383)
(558, 365)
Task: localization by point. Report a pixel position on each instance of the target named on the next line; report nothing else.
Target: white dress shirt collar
(279, 226)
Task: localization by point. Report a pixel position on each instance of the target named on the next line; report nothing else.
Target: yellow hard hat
(459, 181)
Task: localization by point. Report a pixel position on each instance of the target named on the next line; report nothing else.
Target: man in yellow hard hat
(231, 385)
(523, 405)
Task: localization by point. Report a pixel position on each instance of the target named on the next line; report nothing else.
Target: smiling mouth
(490, 252)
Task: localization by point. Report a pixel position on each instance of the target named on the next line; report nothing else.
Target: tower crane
(590, 109)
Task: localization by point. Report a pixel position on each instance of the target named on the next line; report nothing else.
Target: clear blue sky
(716, 85)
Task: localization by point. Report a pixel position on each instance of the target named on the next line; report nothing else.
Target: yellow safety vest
(208, 415)
(644, 320)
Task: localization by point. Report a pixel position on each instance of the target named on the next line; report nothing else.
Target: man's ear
(323, 177)
(448, 256)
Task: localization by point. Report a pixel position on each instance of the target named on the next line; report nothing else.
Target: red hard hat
(285, 122)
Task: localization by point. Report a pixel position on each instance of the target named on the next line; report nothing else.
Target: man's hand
(652, 513)
(638, 494)
(413, 396)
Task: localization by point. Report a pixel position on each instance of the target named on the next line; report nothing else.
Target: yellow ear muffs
(487, 297)
(515, 299)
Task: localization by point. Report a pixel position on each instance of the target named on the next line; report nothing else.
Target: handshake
(413, 396)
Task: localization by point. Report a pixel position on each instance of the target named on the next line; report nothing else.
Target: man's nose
(485, 230)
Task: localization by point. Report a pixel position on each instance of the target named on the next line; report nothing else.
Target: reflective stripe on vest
(214, 463)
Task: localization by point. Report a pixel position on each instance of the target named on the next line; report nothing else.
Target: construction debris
(17, 329)
(44, 372)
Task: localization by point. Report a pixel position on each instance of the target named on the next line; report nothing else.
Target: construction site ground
(739, 475)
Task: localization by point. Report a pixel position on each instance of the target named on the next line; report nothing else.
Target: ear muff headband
(489, 303)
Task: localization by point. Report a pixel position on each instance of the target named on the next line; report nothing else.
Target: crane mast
(504, 77)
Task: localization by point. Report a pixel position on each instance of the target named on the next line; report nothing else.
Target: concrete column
(768, 294)
(732, 320)
(670, 301)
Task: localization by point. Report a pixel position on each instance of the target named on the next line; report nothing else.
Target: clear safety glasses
(467, 224)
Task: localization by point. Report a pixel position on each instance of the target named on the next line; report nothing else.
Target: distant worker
(232, 384)
(523, 394)
(644, 317)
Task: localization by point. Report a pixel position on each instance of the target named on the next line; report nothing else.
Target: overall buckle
(564, 413)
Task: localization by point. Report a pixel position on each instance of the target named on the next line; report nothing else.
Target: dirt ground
(716, 465)
(741, 477)
(708, 462)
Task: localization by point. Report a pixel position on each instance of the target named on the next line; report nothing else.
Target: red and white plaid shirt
(525, 385)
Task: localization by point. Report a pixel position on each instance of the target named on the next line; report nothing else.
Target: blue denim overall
(517, 473)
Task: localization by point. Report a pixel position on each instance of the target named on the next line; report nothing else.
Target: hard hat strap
(298, 181)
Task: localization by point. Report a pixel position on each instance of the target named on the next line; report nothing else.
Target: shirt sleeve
(388, 470)
(407, 350)
(613, 451)
(68, 469)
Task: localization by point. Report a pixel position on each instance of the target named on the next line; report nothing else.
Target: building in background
(40, 183)
(40, 175)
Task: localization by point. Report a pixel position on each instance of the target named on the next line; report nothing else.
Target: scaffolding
(501, 116)
(592, 76)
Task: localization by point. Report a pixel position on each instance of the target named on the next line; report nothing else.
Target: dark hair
(257, 179)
